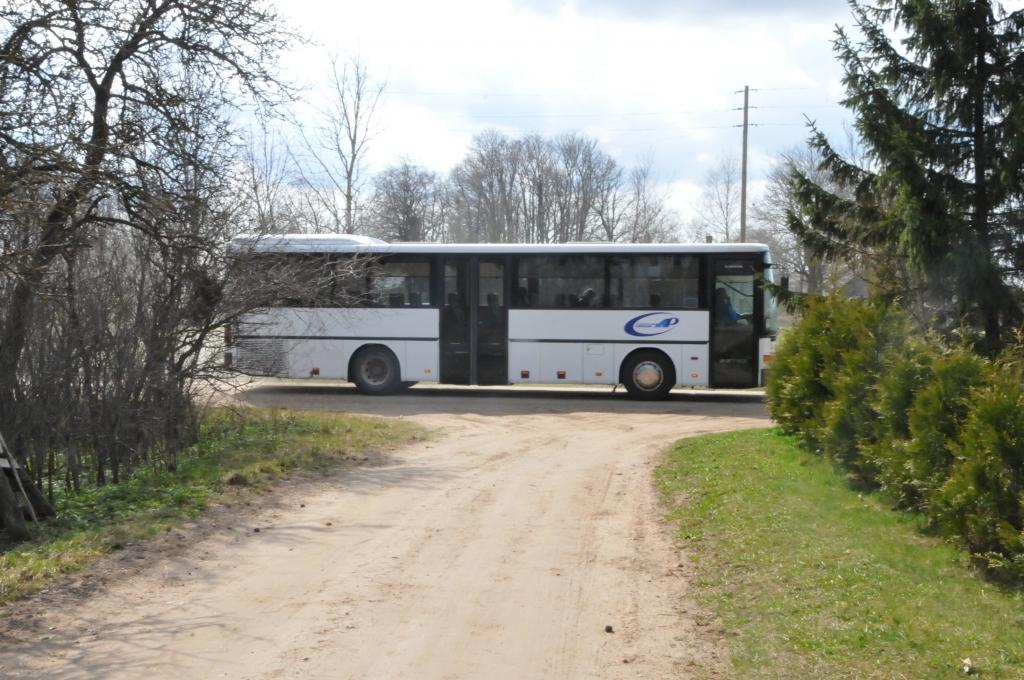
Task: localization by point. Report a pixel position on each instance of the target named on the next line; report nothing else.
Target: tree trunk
(22, 300)
(10, 513)
(35, 496)
(988, 304)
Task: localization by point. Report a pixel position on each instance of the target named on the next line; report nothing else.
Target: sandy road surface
(500, 549)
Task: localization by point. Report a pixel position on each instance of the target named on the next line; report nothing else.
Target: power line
(812, 106)
(587, 115)
(781, 89)
(658, 129)
(712, 127)
(582, 94)
(522, 94)
(630, 115)
(662, 140)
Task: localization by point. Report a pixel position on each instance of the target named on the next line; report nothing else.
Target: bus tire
(648, 375)
(375, 371)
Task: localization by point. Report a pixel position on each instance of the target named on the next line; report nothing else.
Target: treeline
(527, 189)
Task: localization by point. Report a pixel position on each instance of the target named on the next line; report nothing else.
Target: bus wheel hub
(375, 370)
(648, 375)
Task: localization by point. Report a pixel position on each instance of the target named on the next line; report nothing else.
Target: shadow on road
(501, 401)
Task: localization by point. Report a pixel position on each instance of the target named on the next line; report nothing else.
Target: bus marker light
(315, 371)
(694, 359)
(426, 370)
(598, 374)
(525, 374)
(693, 375)
(561, 375)
(768, 357)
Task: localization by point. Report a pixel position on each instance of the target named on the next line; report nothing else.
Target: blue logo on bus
(647, 325)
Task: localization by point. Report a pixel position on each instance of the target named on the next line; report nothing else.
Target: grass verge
(239, 453)
(818, 581)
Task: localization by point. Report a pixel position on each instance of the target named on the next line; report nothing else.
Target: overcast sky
(656, 77)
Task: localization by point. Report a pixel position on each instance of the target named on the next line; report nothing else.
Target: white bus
(649, 317)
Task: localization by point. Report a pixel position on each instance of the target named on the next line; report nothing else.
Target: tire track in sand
(499, 550)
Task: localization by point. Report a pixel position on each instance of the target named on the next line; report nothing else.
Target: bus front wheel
(648, 375)
(376, 372)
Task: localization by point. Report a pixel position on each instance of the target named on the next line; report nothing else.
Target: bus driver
(724, 311)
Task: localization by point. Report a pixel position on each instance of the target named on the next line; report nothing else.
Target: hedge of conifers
(938, 428)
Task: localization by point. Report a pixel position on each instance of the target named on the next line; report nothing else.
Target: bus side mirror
(784, 283)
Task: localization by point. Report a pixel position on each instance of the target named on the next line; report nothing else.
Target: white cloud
(636, 81)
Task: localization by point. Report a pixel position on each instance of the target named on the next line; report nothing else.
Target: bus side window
(304, 280)
(656, 281)
(400, 281)
(561, 281)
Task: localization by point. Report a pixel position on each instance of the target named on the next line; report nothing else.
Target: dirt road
(499, 549)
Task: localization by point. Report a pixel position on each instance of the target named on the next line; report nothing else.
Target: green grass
(818, 581)
(260, 445)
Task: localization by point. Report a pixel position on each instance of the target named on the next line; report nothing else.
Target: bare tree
(486, 203)
(583, 171)
(409, 204)
(649, 220)
(273, 205)
(718, 206)
(538, 190)
(633, 209)
(613, 207)
(771, 214)
(99, 97)
(332, 158)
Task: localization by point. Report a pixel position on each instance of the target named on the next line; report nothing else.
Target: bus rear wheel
(648, 375)
(376, 372)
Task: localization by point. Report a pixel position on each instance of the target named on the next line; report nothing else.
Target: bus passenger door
(456, 322)
(491, 323)
(733, 324)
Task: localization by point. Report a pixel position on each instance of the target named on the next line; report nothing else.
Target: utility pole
(743, 181)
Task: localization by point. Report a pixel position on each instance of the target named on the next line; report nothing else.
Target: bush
(981, 500)
(936, 418)
(826, 373)
(904, 369)
(797, 389)
(939, 429)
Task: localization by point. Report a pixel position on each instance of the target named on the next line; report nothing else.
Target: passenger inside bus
(491, 314)
(455, 311)
(588, 297)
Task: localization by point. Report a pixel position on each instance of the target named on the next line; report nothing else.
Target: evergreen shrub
(939, 429)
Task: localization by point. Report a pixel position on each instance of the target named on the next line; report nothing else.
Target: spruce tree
(940, 112)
